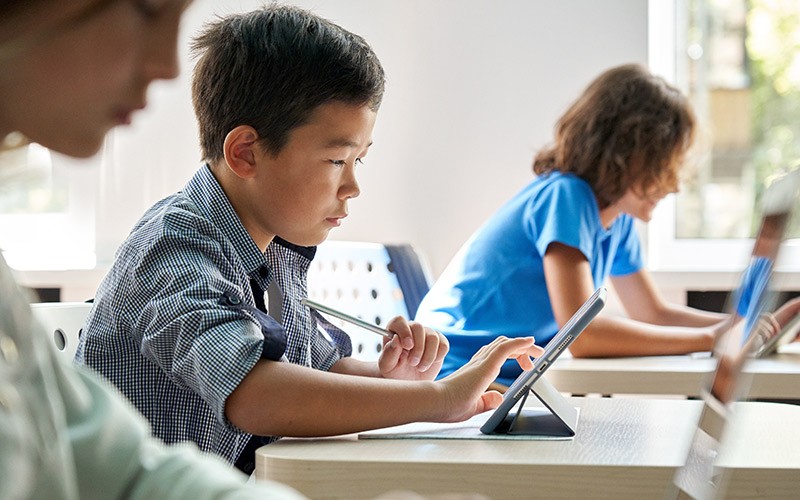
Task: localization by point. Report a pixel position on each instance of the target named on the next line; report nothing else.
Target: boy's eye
(342, 163)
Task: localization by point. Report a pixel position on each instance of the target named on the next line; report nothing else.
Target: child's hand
(466, 388)
(787, 312)
(415, 352)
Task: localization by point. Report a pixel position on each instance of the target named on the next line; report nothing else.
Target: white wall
(473, 89)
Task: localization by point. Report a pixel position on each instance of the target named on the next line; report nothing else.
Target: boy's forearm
(282, 399)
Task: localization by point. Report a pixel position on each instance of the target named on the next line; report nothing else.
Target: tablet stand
(558, 418)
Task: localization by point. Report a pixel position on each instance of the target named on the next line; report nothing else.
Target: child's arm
(282, 399)
(642, 302)
(569, 283)
(414, 353)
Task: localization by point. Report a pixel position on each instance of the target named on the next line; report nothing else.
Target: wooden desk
(624, 448)
(775, 377)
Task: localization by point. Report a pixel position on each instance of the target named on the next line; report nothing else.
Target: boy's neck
(226, 180)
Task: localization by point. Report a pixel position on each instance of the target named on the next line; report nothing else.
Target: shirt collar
(208, 196)
(306, 252)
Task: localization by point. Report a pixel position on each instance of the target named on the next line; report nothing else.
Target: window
(739, 62)
(47, 206)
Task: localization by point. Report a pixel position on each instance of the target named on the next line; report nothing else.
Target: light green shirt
(64, 433)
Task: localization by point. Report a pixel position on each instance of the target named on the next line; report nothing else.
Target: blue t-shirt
(495, 284)
(751, 297)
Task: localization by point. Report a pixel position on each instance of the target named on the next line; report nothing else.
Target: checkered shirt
(174, 325)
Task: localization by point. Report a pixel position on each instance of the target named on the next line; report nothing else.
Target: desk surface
(624, 448)
(774, 377)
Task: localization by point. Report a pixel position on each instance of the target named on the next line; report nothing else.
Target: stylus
(346, 317)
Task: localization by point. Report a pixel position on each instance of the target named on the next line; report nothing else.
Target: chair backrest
(372, 281)
(63, 321)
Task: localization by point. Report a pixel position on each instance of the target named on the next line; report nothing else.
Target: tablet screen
(562, 340)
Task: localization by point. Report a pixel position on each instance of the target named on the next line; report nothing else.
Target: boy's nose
(349, 187)
(350, 190)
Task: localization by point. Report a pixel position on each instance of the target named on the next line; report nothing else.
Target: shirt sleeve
(628, 256)
(116, 457)
(190, 309)
(563, 213)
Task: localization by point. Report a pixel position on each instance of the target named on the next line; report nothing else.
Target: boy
(68, 73)
(286, 104)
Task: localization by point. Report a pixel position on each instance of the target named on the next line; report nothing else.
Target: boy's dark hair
(628, 129)
(271, 68)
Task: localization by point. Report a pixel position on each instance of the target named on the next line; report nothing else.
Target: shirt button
(8, 349)
(230, 299)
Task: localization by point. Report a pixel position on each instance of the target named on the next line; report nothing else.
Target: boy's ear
(241, 150)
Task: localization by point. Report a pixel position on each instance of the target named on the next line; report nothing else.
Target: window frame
(665, 252)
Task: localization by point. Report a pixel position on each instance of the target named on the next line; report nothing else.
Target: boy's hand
(465, 390)
(415, 352)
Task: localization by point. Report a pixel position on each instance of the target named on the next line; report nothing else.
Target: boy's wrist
(441, 399)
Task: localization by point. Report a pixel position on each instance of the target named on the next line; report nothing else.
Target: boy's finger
(390, 357)
(419, 338)
(489, 400)
(525, 362)
(401, 328)
(429, 355)
(512, 347)
(444, 347)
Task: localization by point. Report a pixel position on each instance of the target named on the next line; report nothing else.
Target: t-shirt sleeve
(563, 212)
(628, 257)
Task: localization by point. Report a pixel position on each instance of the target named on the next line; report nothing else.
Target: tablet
(699, 476)
(562, 340)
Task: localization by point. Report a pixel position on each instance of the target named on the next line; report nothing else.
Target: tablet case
(557, 418)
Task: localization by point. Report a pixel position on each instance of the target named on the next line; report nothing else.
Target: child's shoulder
(565, 179)
(174, 218)
(558, 183)
(175, 209)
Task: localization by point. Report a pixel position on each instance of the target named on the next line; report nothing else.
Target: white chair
(371, 281)
(63, 321)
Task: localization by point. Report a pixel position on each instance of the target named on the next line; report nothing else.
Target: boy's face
(302, 193)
